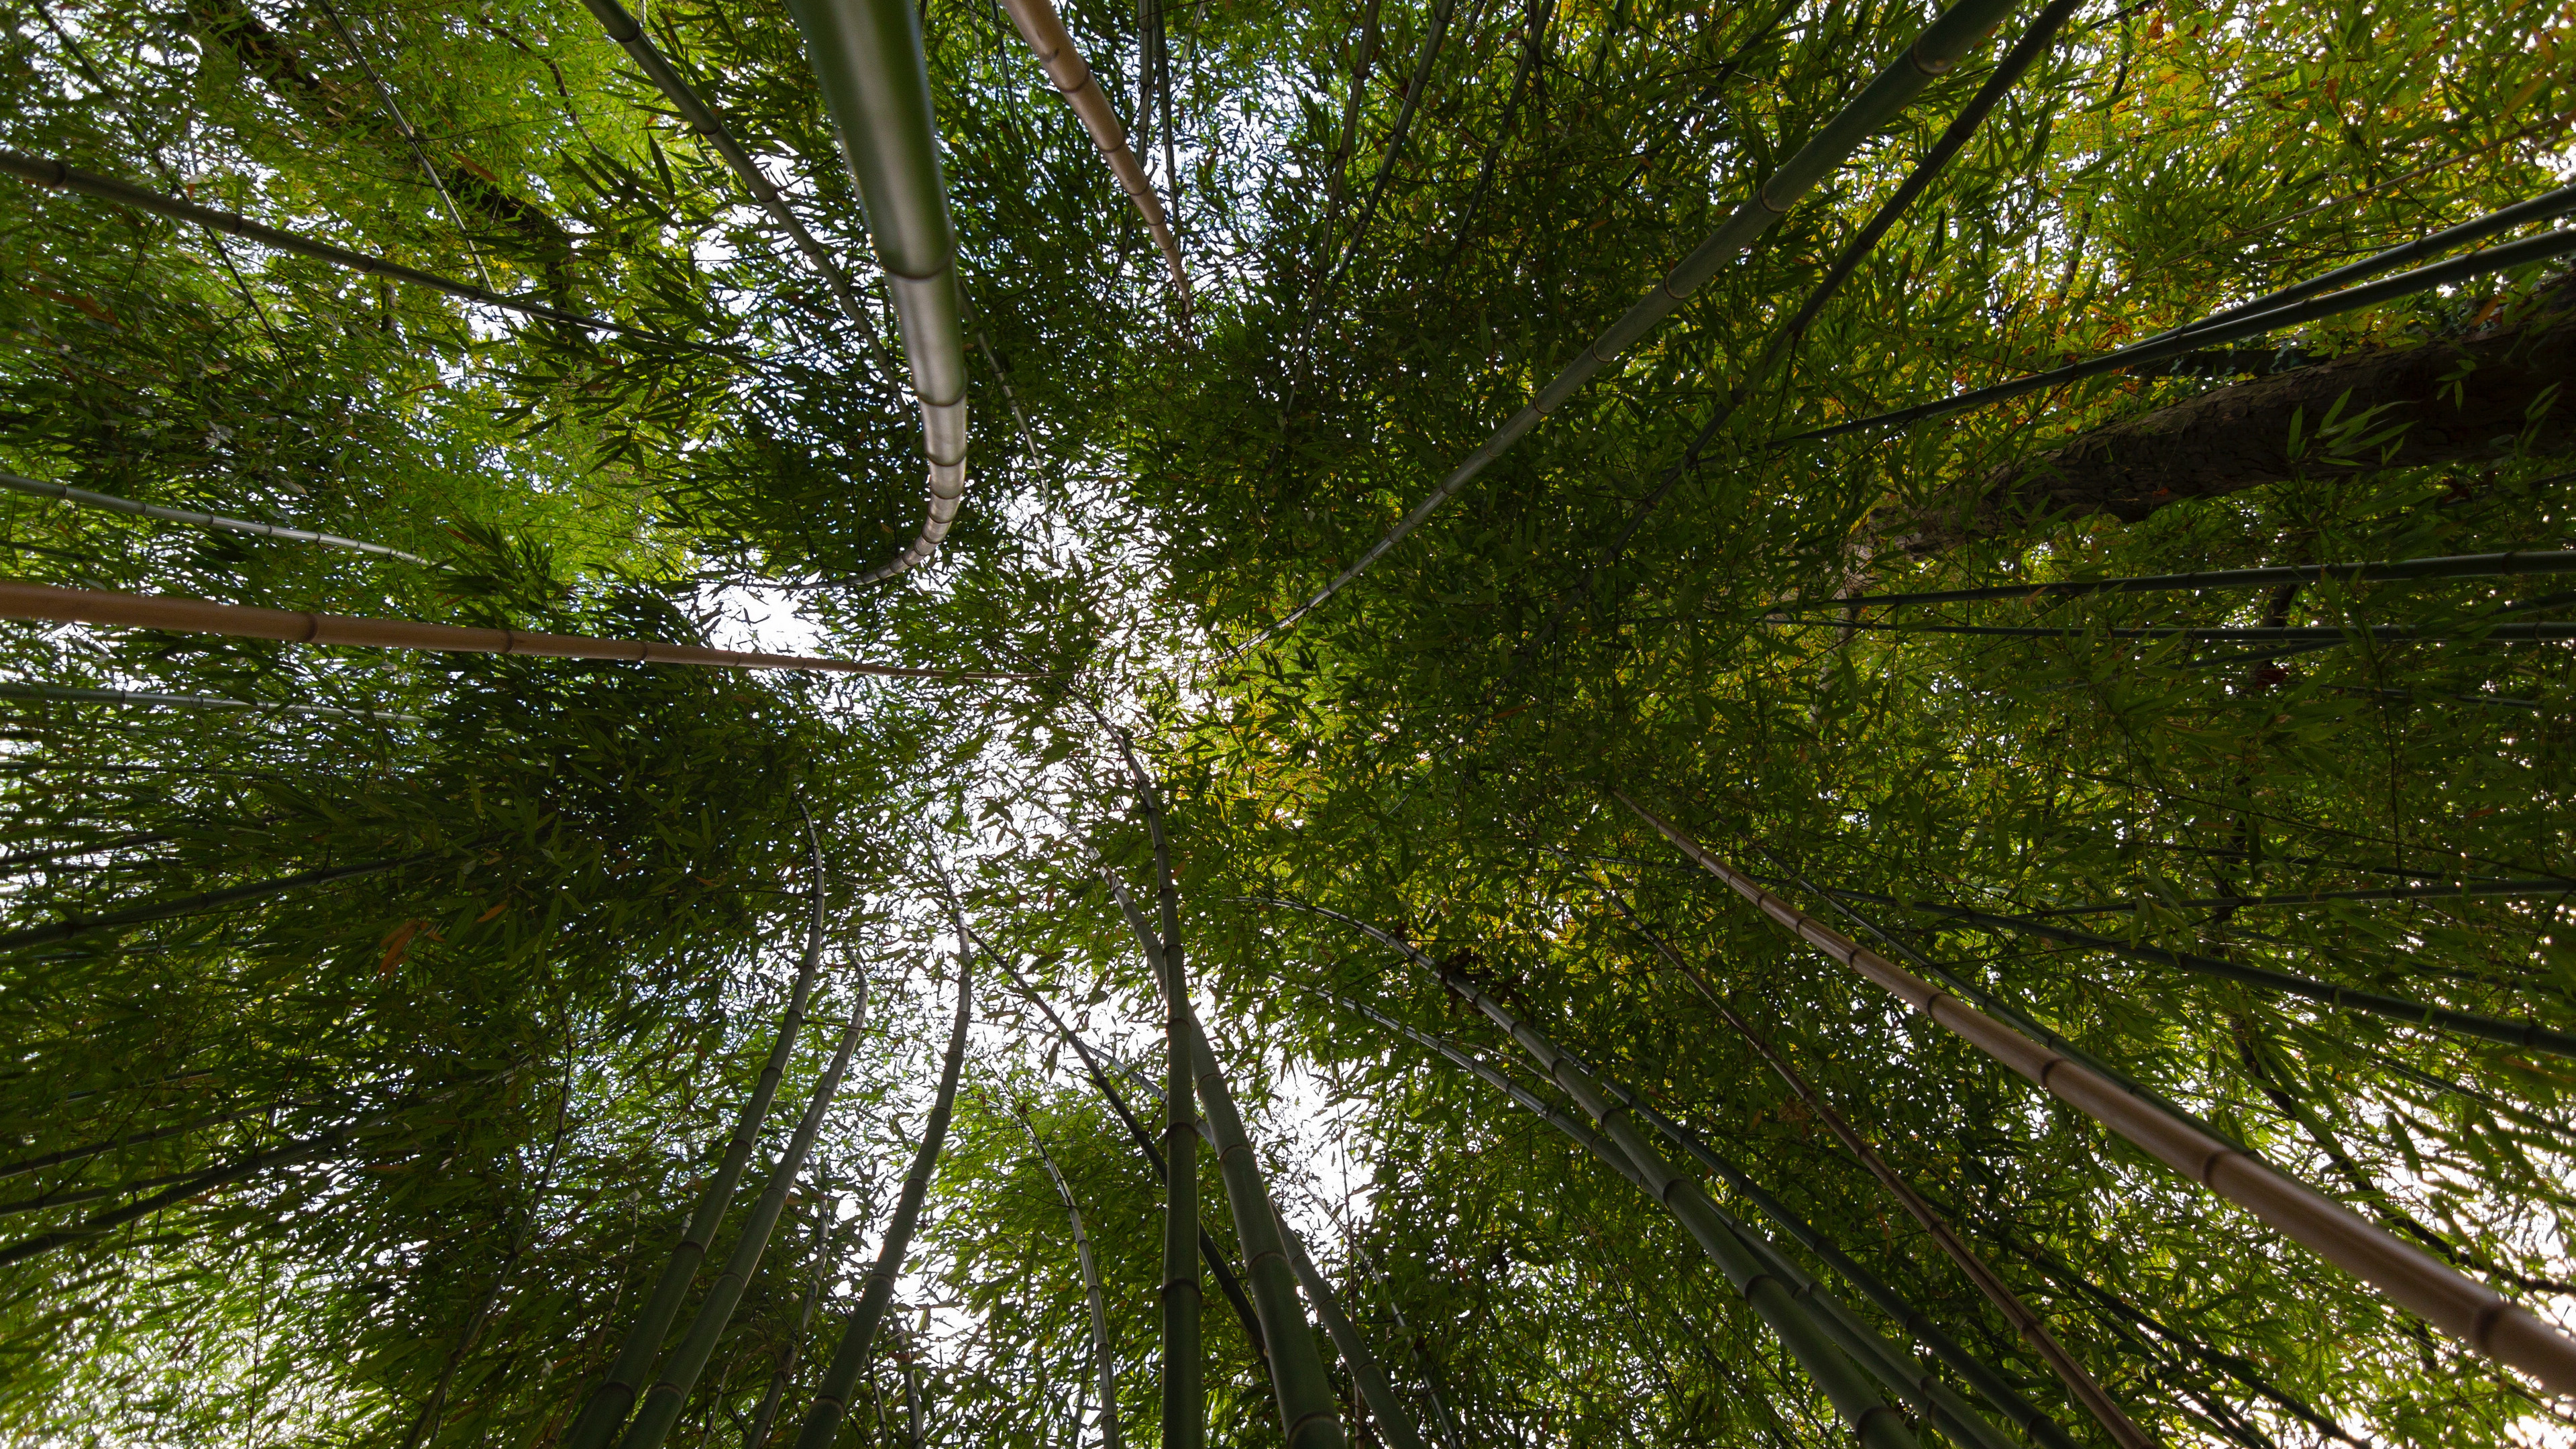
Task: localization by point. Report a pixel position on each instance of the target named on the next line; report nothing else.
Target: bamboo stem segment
(1394, 1425)
(1044, 30)
(2410, 1277)
(65, 694)
(86, 499)
(1103, 1355)
(173, 614)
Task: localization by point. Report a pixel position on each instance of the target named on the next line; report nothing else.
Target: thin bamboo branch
(2326, 635)
(702, 118)
(841, 1376)
(663, 1402)
(755, 1432)
(1441, 10)
(86, 499)
(65, 694)
(193, 905)
(410, 137)
(172, 614)
(1932, 54)
(46, 172)
(1104, 1356)
(2080, 1384)
(2461, 566)
(2506, 889)
(867, 58)
(2413, 1279)
(1071, 76)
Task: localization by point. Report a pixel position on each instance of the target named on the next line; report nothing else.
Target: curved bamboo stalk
(65, 694)
(702, 118)
(86, 499)
(605, 1411)
(841, 1376)
(2411, 1278)
(2460, 566)
(1883, 1359)
(1044, 30)
(755, 1433)
(867, 58)
(1103, 1356)
(46, 172)
(1394, 1425)
(1932, 54)
(663, 1402)
(2080, 1384)
(2209, 332)
(1771, 1297)
(173, 614)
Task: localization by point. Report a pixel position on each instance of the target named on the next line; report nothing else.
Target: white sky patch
(757, 620)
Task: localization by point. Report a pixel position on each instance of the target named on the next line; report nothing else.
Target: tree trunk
(2456, 399)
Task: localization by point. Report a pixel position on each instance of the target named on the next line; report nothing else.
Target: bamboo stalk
(1394, 1425)
(173, 614)
(1071, 76)
(1771, 1297)
(1441, 10)
(2209, 332)
(65, 694)
(192, 905)
(2080, 1384)
(2411, 1278)
(841, 1376)
(1932, 54)
(702, 118)
(2508, 889)
(2321, 634)
(86, 499)
(410, 137)
(1104, 1358)
(2458, 566)
(867, 59)
(663, 1402)
(47, 172)
(755, 1433)
(604, 1412)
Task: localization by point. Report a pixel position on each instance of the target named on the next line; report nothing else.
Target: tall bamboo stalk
(1772, 1298)
(841, 1376)
(84, 498)
(44, 171)
(1103, 1355)
(78, 925)
(702, 118)
(755, 1432)
(65, 694)
(2457, 566)
(663, 1402)
(605, 1411)
(867, 59)
(1441, 10)
(2411, 1278)
(1430, 1380)
(174, 615)
(1932, 54)
(2080, 1384)
(1394, 1425)
(1044, 30)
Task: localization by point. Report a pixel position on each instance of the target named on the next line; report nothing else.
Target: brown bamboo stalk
(2411, 1278)
(2079, 1384)
(177, 615)
(1044, 30)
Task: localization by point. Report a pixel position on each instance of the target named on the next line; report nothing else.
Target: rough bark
(2455, 399)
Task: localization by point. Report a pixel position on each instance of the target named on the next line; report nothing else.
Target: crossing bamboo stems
(850, 1356)
(1044, 31)
(1844, 1383)
(1394, 1425)
(173, 614)
(2411, 1278)
(867, 59)
(605, 1411)
(1441, 11)
(1103, 1356)
(86, 499)
(2080, 1384)
(1932, 54)
(669, 1394)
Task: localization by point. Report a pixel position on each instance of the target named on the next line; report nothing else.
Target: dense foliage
(474, 959)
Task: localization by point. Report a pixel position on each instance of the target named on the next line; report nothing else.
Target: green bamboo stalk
(65, 694)
(2080, 1383)
(2456, 566)
(841, 1376)
(1883, 1359)
(194, 905)
(755, 1433)
(1394, 1425)
(702, 118)
(2319, 634)
(410, 137)
(1932, 54)
(605, 1411)
(1071, 75)
(1876, 1425)
(2410, 1277)
(1103, 1355)
(867, 59)
(47, 172)
(84, 498)
(1441, 11)
(1430, 1380)
(663, 1402)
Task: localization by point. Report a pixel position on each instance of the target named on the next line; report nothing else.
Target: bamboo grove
(1425, 723)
